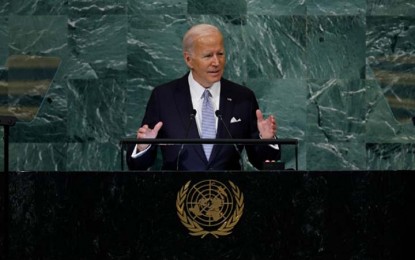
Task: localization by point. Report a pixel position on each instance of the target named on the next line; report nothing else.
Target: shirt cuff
(136, 154)
(274, 146)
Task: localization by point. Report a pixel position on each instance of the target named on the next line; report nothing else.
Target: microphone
(219, 115)
(192, 118)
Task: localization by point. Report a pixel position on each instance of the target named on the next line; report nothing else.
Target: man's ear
(188, 59)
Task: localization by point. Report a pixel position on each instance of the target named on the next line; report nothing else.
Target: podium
(281, 215)
(280, 142)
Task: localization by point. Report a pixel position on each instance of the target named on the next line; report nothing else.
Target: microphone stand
(192, 118)
(6, 122)
(241, 160)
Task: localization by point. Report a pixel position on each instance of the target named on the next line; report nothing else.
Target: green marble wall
(338, 75)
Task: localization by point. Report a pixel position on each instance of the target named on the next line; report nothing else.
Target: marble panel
(218, 7)
(335, 7)
(154, 48)
(335, 156)
(47, 156)
(276, 7)
(101, 42)
(172, 7)
(96, 110)
(390, 156)
(37, 35)
(335, 47)
(276, 46)
(4, 7)
(390, 7)
(75, 68)
(86, 8)
(93, 156)
(39, 7)
(336, 110)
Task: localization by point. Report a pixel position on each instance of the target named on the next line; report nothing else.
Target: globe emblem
(209, 203)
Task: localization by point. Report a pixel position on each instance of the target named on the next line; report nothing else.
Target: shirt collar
(196, 90)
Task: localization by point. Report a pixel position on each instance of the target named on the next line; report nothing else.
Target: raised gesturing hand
(267, 127)
(146, 132)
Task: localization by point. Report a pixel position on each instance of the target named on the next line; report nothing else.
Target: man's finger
(259, 115)
(158, 126)
(144, 127)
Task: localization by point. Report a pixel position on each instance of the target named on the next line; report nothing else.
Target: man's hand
(267, 127)
(146, 132)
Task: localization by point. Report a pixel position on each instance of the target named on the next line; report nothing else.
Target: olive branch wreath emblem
(195, 228)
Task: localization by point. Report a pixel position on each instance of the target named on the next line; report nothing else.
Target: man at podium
(202, 104)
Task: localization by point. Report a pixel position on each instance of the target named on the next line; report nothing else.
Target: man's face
(207, 60)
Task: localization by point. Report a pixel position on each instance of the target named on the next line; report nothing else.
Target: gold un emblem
(209, 207)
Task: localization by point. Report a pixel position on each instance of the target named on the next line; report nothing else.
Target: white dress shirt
(196, 92)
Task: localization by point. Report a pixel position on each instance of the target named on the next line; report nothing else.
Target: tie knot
(206, 94)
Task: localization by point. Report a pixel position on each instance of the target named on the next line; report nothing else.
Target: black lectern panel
(215, 215)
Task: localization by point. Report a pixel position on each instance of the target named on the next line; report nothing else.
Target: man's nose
(215, 60)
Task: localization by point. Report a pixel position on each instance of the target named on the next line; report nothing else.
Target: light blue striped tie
(208, 122)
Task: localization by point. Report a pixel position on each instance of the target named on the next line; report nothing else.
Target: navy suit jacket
(171, 103)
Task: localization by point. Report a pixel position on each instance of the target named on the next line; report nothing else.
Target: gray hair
(195, 32)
